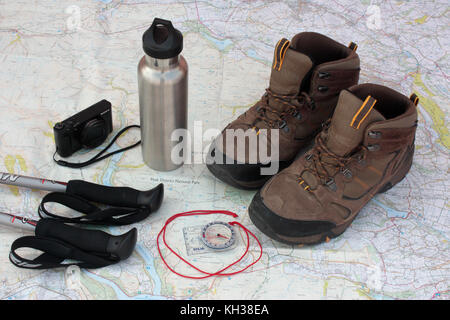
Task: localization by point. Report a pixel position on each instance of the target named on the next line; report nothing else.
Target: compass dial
(218, 235)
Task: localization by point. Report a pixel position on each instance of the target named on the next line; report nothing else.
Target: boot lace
(325, 164)
(272, 117)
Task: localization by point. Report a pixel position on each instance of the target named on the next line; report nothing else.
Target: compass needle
(218, 235)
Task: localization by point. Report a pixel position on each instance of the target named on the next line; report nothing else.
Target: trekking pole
(118, 196)
(76, 194)
(58, 241)
(19, 222)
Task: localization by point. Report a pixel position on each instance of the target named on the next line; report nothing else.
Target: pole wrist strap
(92, 214)
(54, 253)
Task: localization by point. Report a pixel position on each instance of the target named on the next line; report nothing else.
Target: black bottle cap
(162, 40)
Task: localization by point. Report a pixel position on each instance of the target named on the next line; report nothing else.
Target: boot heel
(402, 170)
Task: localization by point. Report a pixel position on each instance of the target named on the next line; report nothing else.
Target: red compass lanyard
(207, 274)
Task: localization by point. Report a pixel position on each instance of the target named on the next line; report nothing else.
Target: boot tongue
(350, 119)
(289, 68)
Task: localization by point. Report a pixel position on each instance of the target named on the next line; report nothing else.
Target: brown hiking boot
(366, 149)
(307, 75)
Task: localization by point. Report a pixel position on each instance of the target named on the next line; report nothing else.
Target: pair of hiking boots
(362, 140)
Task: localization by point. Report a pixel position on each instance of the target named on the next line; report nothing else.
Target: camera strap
(98, 156)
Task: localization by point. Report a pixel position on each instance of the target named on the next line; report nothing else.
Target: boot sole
(265, 228)
(223, 175)
(258, 205)
(220, 172)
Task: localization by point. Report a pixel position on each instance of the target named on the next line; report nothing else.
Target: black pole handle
(94, 241)
(117, 196)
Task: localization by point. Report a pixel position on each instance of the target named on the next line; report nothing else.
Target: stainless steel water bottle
(163, 83)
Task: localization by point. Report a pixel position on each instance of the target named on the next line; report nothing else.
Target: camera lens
(93, 133)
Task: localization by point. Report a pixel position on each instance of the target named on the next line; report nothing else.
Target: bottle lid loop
(162, 40)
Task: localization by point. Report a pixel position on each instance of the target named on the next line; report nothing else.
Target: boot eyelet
(322, 88)
(373, 147)
(324, 75)
(362, 161)
(286, 129)
(298, 116)
(282, 124)
(308, 157)
(374, 134)
(346, 172)
(325, 125)
(331, 184)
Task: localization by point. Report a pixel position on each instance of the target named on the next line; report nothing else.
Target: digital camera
(88, 128)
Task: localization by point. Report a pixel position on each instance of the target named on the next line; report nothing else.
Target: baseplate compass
(213, 237)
